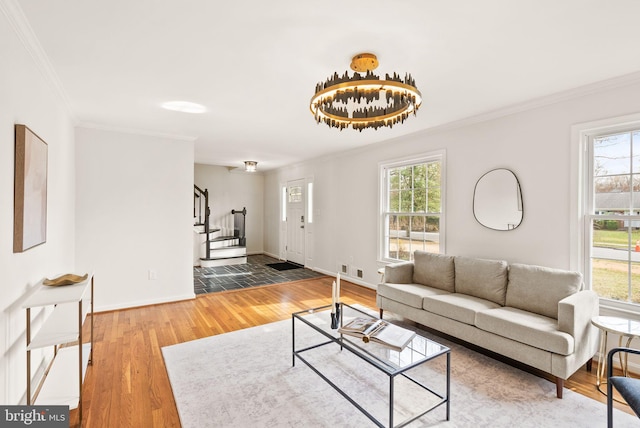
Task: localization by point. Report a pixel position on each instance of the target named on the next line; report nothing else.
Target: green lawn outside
(615, 238)
(610, 280)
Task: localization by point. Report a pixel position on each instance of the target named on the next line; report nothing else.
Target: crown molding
(580, 91)
(570, 94)
(23, 30)
(135, 131)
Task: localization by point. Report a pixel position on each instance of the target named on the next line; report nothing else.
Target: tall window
(613, 215)
(411, 207)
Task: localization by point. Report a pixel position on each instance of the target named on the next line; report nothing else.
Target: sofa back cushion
(434, 270)
(539, 289)
(486, 279)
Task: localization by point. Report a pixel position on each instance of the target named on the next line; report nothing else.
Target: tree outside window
(412, 208)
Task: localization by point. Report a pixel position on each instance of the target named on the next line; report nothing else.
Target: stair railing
(197, 194)
(239, 220)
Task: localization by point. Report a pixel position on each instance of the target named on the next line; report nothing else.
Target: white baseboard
(275, 256)
(357, 281)
(148, 302)
(632, 366)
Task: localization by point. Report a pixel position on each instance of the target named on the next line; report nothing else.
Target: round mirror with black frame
(497, 200)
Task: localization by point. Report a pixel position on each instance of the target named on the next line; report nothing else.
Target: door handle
(302, 227)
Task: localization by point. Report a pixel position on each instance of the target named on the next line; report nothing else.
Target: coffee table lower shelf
(334, 338)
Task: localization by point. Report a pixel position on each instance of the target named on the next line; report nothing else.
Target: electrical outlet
(153, 275)
(356, 272)
(344, 269)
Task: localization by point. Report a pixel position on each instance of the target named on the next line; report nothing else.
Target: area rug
(285, 266)
(246, 378)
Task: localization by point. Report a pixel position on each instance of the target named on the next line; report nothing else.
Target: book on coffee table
(380, 331)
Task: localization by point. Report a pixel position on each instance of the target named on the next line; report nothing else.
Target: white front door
(295, 221)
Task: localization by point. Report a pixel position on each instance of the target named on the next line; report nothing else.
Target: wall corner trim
(18, 21)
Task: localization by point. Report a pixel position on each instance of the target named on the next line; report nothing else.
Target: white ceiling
(254, 63)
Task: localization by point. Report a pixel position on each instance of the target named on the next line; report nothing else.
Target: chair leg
(589, 364)
(609, 405)
(381, 311)
(559, 386)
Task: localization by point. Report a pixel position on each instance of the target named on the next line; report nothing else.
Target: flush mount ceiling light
(184, 106)
(250, 166)
(365, 101)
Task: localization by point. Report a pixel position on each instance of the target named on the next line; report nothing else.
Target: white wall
(234, 190)
(535, 143)
(26, 97)
(134, 214)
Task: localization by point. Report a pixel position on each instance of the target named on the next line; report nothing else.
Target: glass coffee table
(393, 364)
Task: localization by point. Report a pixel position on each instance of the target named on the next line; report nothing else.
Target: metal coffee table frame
(386, 367)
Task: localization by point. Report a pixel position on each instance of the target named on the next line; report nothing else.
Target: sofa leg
(559, 387)
(589, 364)
(381, 311)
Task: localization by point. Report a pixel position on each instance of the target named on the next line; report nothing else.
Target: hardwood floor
(127, 385)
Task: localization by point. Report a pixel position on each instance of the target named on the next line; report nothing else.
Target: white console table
(61, 383)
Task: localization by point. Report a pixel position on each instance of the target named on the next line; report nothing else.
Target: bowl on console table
(66, 279)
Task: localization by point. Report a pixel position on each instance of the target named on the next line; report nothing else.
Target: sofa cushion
(409, 294)
(459, 307)
(434, 270)
(526, 327)
(486, 279)
(539, 289)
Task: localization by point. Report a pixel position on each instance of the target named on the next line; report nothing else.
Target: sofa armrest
(399, 273)
(575, 313)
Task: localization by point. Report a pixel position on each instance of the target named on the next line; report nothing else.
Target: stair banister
(207, 213)
(239, 226)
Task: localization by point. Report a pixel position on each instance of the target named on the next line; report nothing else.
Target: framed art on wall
(30, 190)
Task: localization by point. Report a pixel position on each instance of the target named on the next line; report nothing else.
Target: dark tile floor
(254, 272)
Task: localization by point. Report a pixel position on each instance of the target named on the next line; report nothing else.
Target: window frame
(582, 198)
(383, 167)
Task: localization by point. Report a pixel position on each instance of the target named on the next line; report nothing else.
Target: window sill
(619, 309)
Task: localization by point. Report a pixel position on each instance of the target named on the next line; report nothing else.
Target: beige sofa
(535, 315)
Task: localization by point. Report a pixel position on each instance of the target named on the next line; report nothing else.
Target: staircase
(218, 246)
